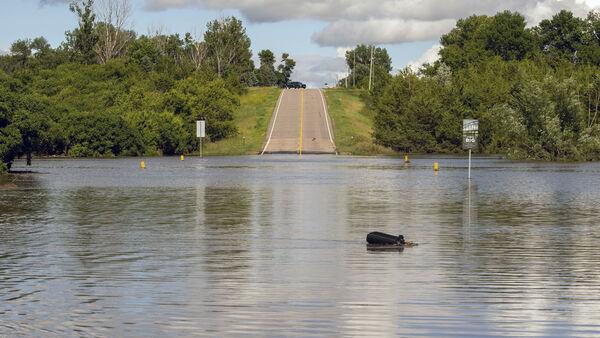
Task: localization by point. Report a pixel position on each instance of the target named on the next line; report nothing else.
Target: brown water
(271, 246)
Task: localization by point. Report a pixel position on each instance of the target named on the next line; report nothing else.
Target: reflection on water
(274, 246)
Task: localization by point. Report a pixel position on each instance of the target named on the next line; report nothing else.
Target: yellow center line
(301, 119)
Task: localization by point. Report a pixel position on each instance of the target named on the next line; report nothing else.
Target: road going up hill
(300, 124)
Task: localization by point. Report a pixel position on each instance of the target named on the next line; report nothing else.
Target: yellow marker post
(406, 160)
(142, 165)
(436, 166)
(182, 158)
(301, 119)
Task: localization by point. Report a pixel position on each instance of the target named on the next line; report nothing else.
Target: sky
(316, 33)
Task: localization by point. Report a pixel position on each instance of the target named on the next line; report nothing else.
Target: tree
(266, 74)
(196, 98)
(32, 128)
(83, 39)
(21, 51)
(466, 43)
(23, 123)
(228, 46)
(40, 46)
(285, 69)
(267, 58)
(112, 31)
(196, 50)
(590, 52)
(507, 37)
(10, 137)
(408, 113)
(359, 63)
(100, 135)
(30, 53)
(561, 37)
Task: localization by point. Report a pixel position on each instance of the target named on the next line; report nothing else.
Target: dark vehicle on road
(295, 84)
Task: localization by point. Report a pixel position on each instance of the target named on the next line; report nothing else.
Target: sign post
(200, 132)
(470, 133)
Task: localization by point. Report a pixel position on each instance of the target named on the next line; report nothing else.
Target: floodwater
(274, 246)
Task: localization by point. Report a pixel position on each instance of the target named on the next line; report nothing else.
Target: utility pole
(348, 75)
(371, 69)
(354, 70)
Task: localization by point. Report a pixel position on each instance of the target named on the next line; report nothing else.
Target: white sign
(200, 129)
(470, 132)
(470, 126)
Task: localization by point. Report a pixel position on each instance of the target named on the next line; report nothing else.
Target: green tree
(162, 133)
(359, 62)
(195, 99)
(228, 46)
(561, 37)
(83, 40)
(100, 135)
(10, 137)
(590, 52)
(196, 51)
(146, 53)
(466, 43)
(507, 37)
(266, 74)
(30, 54)
(285, 69)
(21, 52)
(32, 127)
(408, 112)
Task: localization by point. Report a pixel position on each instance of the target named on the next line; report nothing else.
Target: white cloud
(53, 2)
(591, 3)
(379, 21)
(316, 70)
(350, 22)
(380, 31)
(341, 51)
(430, 56)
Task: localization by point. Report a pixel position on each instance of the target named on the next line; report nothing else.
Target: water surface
(274, 246)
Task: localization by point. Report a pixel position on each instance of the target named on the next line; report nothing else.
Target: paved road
(300, 124)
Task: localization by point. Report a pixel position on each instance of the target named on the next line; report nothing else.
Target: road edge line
(274, 121)
(301, 120)
(326, 117)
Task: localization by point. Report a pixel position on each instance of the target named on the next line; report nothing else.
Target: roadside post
(200, 132)
(470, 133)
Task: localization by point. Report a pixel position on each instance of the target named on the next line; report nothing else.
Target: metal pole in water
(469, 163)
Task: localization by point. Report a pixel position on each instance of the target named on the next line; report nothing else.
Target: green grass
(352, 123)
(252, 120)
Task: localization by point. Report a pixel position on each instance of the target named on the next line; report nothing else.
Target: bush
(101, 135)
(79, 150)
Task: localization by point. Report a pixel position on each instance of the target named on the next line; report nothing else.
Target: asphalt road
(300, 124)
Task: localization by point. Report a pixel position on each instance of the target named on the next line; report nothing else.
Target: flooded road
(270, 246)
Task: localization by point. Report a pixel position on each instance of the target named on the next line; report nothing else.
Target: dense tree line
(536, 91)
(105, 91)
(367, 64)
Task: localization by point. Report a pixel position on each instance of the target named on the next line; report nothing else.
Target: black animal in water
(379, 238)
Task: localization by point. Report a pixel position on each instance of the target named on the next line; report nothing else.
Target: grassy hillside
(252, 121)
(353, 123)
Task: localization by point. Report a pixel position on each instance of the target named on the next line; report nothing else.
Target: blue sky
(314, 32)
